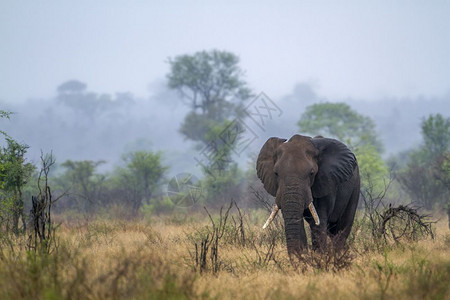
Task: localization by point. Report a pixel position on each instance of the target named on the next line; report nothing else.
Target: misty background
(387, 60)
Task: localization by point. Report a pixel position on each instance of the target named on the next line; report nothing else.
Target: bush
(223, 187)
(157, 206)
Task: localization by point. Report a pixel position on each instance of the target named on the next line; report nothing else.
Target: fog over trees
(143, 144)
(119, 151)
(80, 124)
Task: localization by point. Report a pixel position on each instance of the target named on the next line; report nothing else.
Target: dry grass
(103, 259)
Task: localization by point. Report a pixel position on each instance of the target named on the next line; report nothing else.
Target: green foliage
(208, 79)
(157, 206)
(373, 170)
(221, 186)
(147, 169)
(219, 149)
(223, 179)
(140, 178)
(338, 120)
(14, 170)
(6, 115)
(14, 174)
(419, 181)
(84, 183)
(443, 174)
(426, 175)
(196, 126)
(212, 84)
(121, 193)
(436, 135)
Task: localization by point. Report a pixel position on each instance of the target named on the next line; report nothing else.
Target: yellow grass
(105, 259)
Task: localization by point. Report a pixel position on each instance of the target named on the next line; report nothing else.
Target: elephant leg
(318, 236)
(318, 232)
(341, 230)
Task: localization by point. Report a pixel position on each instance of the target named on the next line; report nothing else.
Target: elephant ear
(336, 165)
(265, 164)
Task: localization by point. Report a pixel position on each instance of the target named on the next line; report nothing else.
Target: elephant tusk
(314, 214)
(274, 212)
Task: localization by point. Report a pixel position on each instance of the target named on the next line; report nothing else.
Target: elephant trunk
(293, 207)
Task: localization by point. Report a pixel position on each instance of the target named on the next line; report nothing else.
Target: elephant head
(297, 171)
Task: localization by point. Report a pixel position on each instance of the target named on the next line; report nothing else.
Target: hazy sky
(366, 49)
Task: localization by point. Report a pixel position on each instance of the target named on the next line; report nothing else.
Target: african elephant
(320, 174)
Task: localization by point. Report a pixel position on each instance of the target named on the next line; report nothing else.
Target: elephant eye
(311, 173)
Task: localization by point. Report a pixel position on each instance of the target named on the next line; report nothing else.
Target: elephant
(318, 173)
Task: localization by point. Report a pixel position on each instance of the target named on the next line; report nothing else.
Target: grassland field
(160, 258)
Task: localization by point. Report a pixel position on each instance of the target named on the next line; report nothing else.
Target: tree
(436, 135)
(74, 94)
(6, 115)
(72, 87)
(14, 174)
(373, 170)
(338, 120)
(208, 79)
(220, 148)
(85, 184)
(211, 83)
(426, 175)
(223, 179)
(196, 127)
(140, 177)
